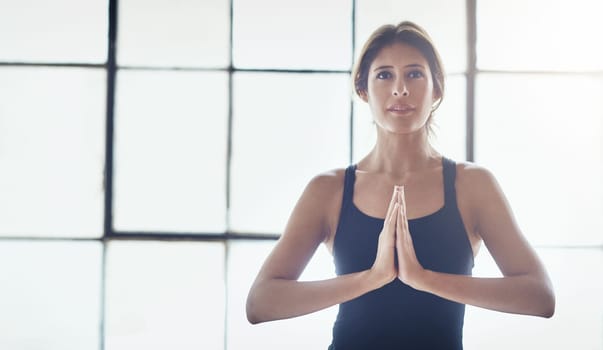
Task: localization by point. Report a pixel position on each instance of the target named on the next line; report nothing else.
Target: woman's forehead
(399, 54)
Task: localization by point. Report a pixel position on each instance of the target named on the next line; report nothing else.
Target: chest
(439, 239)
(424, 193)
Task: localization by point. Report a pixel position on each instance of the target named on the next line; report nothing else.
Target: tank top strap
(449, 172)
(348, 187)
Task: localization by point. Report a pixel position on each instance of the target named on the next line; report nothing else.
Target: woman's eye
(384, 75)
(415, 74)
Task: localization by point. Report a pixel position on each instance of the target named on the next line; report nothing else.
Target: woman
(403, 224)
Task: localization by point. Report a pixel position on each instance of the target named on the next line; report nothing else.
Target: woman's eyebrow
(412, 65)
(382, 67)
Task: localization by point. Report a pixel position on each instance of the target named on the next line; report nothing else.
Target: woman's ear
(362, 94)
(437, 97)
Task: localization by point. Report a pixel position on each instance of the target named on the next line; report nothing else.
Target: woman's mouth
(401, 108)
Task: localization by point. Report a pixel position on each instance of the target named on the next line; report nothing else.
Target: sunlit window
(151, 153)
(280, 123)
(542, 139)
(310, 34)
(54, 31)
(50, 295)
(163, 33)
(539, 35)
(170, 296)
(51, 152)
(170, 151)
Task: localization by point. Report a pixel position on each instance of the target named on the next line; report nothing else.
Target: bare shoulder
(473, 171)
(326, 183)
(474, 180)
(484, 200)
(477, 190)
(324, 193)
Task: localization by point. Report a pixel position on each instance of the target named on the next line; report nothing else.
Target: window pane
(540, 35)
(54, 31)
(444, 20)
(163, 33)
(450, 120)
(287, 129)
(311, 34)
(50, 295)
(52, 134)
(542, 137)
(578, 319)
(170, 151)
(311, 331)
(449, 123)
(165, 296)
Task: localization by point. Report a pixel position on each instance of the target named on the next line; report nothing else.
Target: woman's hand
(410, 270)
(384, 268)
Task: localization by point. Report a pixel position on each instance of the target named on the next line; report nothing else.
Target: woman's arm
(276, 293)
(525, 287)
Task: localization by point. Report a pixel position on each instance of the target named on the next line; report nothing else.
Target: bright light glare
(540, 35)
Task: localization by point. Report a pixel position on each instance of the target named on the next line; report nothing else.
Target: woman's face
(400, 89)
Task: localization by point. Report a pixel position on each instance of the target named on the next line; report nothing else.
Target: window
(151, 153)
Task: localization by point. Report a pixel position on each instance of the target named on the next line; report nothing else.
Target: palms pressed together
(395, 241)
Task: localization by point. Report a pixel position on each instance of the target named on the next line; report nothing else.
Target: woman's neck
(400, 154)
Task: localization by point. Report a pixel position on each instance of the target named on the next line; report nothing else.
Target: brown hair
(405, 32)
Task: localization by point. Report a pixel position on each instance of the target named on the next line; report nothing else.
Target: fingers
(402, 224)
(400, 228)
(392, 220)
(392, 203)
(402, 201)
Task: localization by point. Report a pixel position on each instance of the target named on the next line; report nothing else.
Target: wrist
(423, 280)
(375, 279)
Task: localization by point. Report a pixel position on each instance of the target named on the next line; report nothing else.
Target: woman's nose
(401, 90)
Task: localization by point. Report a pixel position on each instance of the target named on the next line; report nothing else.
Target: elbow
(547, 312)
(253, 310)
(547, 308)
(250, 310)
(252, 316)
(259, 306)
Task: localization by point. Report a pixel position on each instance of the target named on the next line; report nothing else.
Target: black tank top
(397, 316)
